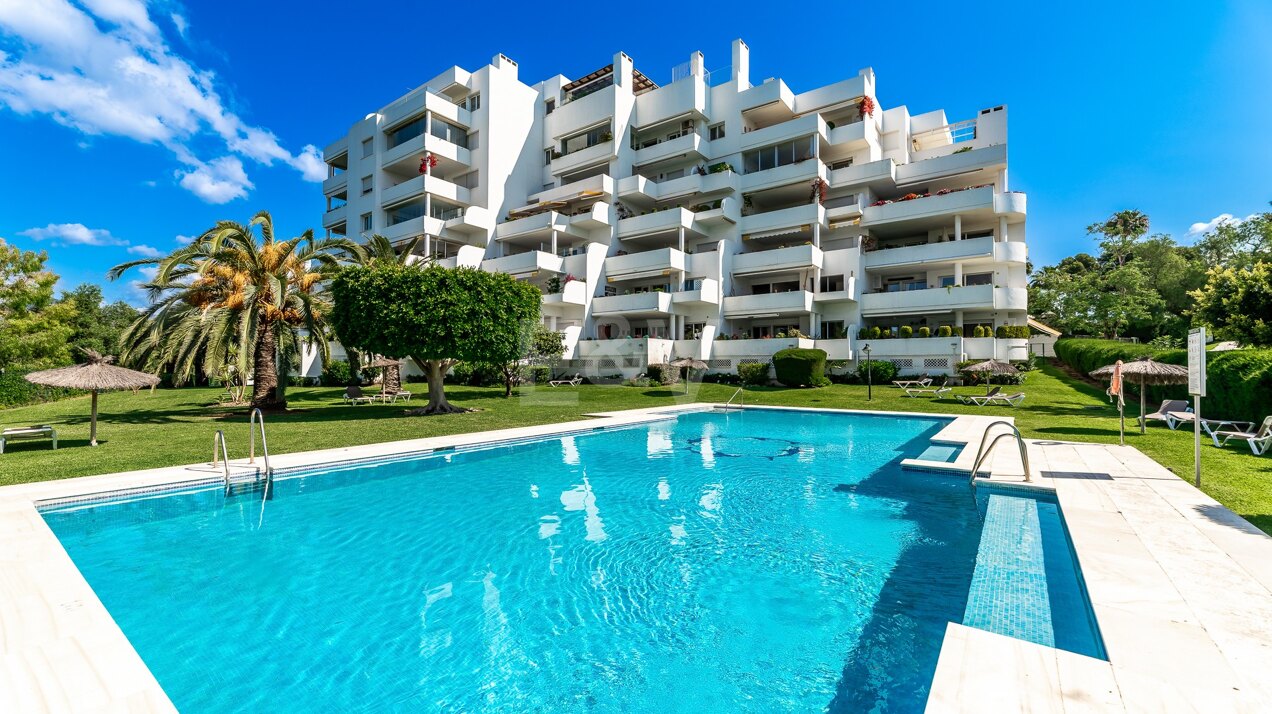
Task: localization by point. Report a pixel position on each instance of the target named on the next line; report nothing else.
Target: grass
(175, 426)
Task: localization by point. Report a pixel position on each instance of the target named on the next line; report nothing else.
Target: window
(549, 106)
(841, 164)
(716, 131)
(946, 281)
(447, 131)
(405, 213)
(366, 221)
(693, 330)
(368, 145)
(969, 235)
(978, 279)
(833, 330)
(583, 140)
(406, 132)
(832, 283)
(368, 184)
(474, 102)
(787, 152)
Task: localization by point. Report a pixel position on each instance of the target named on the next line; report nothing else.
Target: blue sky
(125, 125)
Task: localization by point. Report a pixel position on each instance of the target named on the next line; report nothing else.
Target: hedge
(1012, 331)
(662, 373)
(1238, 383)
(15, 391)
(797, 367)
(878, 371)
(754, 373)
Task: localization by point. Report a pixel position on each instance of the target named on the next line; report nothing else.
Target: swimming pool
(757, 560)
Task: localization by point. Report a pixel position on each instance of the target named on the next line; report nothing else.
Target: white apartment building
(711, 217)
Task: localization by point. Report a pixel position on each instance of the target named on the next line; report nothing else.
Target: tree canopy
(34, 330)
(435, 315)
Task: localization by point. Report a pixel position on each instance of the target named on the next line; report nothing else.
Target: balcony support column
(1002, 229)
(554, 242)
(428, 123)
(681, 238)
(428, 206)
(428, 246)
(958, 273)
(958, 227)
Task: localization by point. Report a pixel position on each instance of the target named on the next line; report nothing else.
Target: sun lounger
(22, 433)
(1213, 427)
(921, 392)
(1163, 412)
(1011, 400)
(978, 400)
(1260, 441)
(574, 381)
(392, 397)
(912, 383)
(354, 395)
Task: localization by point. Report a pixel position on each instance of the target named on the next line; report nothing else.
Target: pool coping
(60, 650)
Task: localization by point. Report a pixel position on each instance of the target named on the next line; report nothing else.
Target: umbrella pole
(92, 429)
(1121, 421)
(1142, 429)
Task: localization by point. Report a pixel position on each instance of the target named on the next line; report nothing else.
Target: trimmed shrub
(905, 332)
(797, 367)
(753, 373)
(540, 373)
(956, 331)
(875, 332)
(721, 378)
(925, 331)
(1006, 332)
(475, 374)
(978, 332)
(336, 373)
(862, 333)
(662, 373)
(944, 331)
(878, 371)
(15, 391)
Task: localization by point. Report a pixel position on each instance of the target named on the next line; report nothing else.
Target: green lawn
(175, 426)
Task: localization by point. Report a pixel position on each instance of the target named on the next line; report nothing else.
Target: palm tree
(231, 296)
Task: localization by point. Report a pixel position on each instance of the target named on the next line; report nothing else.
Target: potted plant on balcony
(925, 331)
(427, 162)
(866, 107)
(905, 332)
(818, 193)
(607, 136)
(554, 285)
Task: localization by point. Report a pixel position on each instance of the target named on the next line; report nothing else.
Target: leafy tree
(97, 325)
(542, 347)
(1238, 244)
(379, 249)
(231, 295)
(33, 329)
(434, 315)
(1237, 303)
(1121, 231)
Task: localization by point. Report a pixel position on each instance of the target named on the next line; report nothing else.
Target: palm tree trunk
(392, 380)
(264, 369)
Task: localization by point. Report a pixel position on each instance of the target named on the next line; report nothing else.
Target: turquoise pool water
(745, 561)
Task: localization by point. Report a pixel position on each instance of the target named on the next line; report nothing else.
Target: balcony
(334, 217)
(729, 212)
(581, 113)
(838, 349)
(600, 187)
(795, 302)
(914, 347)
(848, 294)
(540, 225)
(572, 298)
(967, 202)
(783, 131)
(1010, 204)
(414, 104)
(857, 135)
(528, 263)
(336, 148)
(706, 291)
(882, 171)
(799, 172)
(932, 253)
(335, 184)
(594, 154)
(418, 186)
(690, 145)
(657, 222)
(414, 227)
(786, 220)
(633, 304)
(409, 152)
(646, 264)
(941, 300)
(990, 157)
(684, 96)
(474, 220)
(844, 212)
(642, 190)
(721, 349)
(778, 260)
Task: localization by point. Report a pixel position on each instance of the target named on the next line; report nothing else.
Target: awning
(639, 275)
(776, 233)
(535, 209)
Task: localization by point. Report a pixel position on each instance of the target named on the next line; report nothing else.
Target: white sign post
(1197, 388)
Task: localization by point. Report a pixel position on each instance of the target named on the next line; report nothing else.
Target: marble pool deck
(1180, 585)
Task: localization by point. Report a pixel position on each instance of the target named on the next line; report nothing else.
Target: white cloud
(104, 68)
(180, 23)
(151, 183)
(144, 251)
(218, 181)
(73, 234)
(137, 294)
(1200, 229)
(184, 240)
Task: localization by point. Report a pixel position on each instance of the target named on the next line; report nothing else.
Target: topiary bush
(662, 373)
(862, 333)
(978, 332)
(875, 332)
(905, 331)
(925, 331)
(878, 371)
(944, 331)
(796, 367)
(1007, 332)
(337, 373)
(753, 373)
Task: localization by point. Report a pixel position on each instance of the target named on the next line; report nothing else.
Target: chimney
(696, 64)
(623, 67)
(741, 64)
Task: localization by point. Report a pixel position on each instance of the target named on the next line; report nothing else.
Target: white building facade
(710, 217)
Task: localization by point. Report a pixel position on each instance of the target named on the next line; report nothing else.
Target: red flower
(428, 161)
(866, 106)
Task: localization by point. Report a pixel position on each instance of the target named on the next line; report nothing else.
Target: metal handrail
(983, 452)
(735, 396)
(219, 439)
(258, 420)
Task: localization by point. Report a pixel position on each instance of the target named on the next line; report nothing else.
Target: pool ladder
(982, 453)
(735, 396)
(221, 457)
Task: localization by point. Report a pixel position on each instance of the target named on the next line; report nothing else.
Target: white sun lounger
(1259, 441)
(22, 433)
(912, 383)
(920, 392)
(574, 381)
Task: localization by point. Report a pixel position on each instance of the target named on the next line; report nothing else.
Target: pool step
(248, 484)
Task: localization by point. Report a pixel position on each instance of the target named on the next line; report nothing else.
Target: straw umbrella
(688, 363)
(388, 364)
(1144, 372)
(95, 375)
(991, 367)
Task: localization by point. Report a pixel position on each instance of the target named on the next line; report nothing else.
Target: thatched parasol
(390, 381)
(990, 366)
(688, 363)
(95, 375)
(1145, 371)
